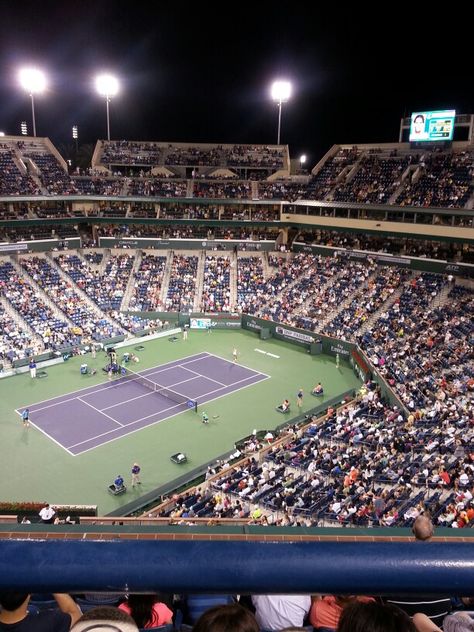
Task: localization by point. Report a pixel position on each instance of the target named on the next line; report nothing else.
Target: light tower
(32, 81)
(107, 86)
(281, 93)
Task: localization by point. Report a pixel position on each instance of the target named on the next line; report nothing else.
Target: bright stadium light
(107, 86)
(281, 93)
(32, 81)
(302, 161)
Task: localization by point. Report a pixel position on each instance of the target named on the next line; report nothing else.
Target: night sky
(201, 75)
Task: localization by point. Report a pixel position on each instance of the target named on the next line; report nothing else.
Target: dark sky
(202, 72)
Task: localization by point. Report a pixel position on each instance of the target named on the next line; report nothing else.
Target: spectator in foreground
(103, 616)
(423, 528)
(326, 610)
(147, 611)
(224, 618)
(374, 617)
(276, 612)
(14, 614)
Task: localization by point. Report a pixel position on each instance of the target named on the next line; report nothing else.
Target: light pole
(281, 93)
(302, 161)
(107, 86)
(34, 82)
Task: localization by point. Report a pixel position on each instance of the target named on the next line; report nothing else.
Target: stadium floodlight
(302, 161)
(32, 81)
(24, 128)
(2, 133)
(107, 86)
(281, 93)
(75, 135)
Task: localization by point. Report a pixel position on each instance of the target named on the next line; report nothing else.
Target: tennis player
(25, 416)
(205, 418)
(235, 354)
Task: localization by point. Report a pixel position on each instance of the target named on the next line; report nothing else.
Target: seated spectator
(318, 389)
(374, 617)
(103, 616)
(118, 482)
(276, 612)
(326, 610)
(284, 407)
(147, 611)
(14, 614)
(231, 617)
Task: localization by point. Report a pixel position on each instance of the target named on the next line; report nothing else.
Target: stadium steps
(131, 281)
(334, 313)
(383, 308)
(441, 299)
(316, 289)
(36, 340)
(233, 280)
(199, 281)
(39, 290)
(190, 188)
(86, 298)
(404, 180)
(166, 277)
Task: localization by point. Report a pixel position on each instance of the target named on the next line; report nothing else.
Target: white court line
(160, 420)
(102, 434)
(242, 365)
(101, 412)
(106, 386)
(150, 392)
(205, 377)
(98, 388)
(267, 353)
(47, 435)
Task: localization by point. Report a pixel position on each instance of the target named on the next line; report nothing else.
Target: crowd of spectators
(441, 180)
(386, 244)
(147, 284)
(13, 181)
(54, 330)
(87, 321)
(375, 181)
(240, 190)
(182, 283)
(157, 187)
(216, 285)
(281, 190)
(379, 287)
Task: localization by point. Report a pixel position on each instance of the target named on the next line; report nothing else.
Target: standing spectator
(299, 399)
(14, 614)
(47, 514)
(136, 479)
(32, 367)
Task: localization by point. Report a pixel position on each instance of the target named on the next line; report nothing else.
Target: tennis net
(174, 396)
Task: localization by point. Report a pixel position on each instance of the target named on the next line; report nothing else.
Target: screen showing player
(432, 126)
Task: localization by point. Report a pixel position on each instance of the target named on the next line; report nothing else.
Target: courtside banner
(331, 346)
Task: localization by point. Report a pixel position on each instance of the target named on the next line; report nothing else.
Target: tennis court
(85, 419)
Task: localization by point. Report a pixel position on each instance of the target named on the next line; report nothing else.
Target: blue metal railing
(237, 567)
